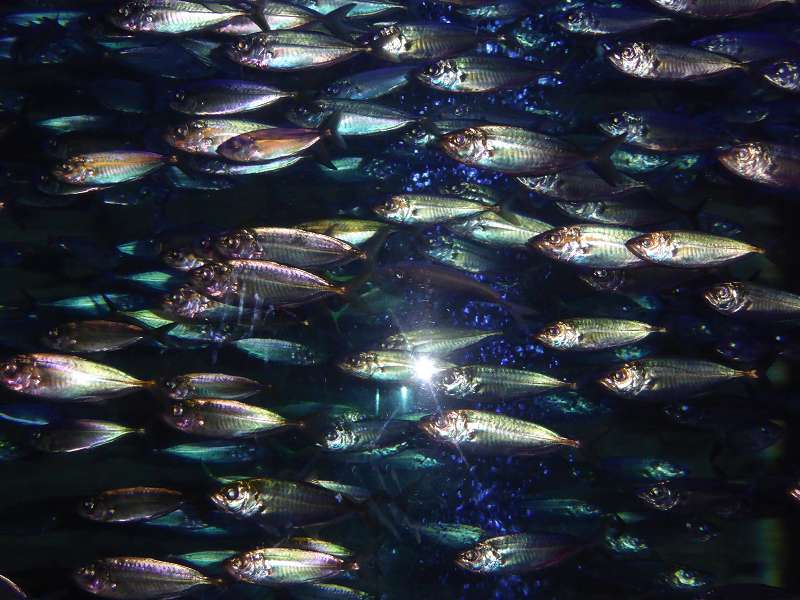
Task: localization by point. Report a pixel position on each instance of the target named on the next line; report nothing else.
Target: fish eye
(553, 330)
(232, 493)
(554, 238)
(123, 11)
(628, 53)
(88, 506)
(242, 45)
(619, 376)
(179, 96)
(177, 410)
(647, 242)
(571, 17)
(460, 140)
(53, 333)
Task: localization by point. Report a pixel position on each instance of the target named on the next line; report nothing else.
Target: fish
(328, 591)
(486, 433)
(663, 132)
(316, 545)
(215, 452)
(519, 553)
(415, 209)
(11, 590)
(592, 246)
(670, 62)
(66, 378)
(99, 336)
(206, 558)
(660, 378)
(581, 184)
(187, 304)
(600, 20)
(288, 352)
(747, 46)
(499, 230)
(479, 74)
(642, 469)
(718, 9)
(767, 163)
(129, 505)
(356, 436)
(783, 74)
(750, 300)
(518, 151)
(285, 566)
(283, 15)
(359, 9)
(288, 246)
(689, 249)
(489, 381)
(355, 232)
(372, 84)
(436, 341)
(625, 211)
(457, 536)
(291, 50)
(108, 168)
(355, 117)
(259, 282)
(205, 136)
(78, 435)
(288, 502)
(208, 385)
(392, 366)
(170, 16)
(273, 143)
(127, 577)
(437, 276)
(594, 333)
(423, 41)
(222, 418)
(224, 97)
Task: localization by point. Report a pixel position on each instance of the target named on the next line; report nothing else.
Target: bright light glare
(424, 368)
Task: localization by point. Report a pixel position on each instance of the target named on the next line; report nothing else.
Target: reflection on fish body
(750, 300)
(61, 377)
(285, 566)
(594, 246)
(594, 333)
(128, 577)
(669, 62)
(79, 435)
(414, 209)
(221, 418)
(689, 249)
(392, 366)
(774, 165)
(487, 381)
(208, 385)
(356, 117)
(106, 168)
(287, 352)
(127, 505)
(519, 553)
(94, 336)
(204, 136)
(599, 20)
(170, 16)
(477, 74)
(486, 433)
(437, 341)
(290, 50)
(352, 231)
(420, 41)
(661, 378)
(718, 9)
(580, 184)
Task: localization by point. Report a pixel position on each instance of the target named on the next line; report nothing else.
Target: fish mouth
(218, 499)
(635, 246)
(607, 382)
(709, 297)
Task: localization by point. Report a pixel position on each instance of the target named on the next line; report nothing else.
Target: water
(57, 247)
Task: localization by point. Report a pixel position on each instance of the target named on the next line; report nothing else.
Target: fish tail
(215, 581)
(352, 566)
(147, 383)
(600, 159)
(172, 159)
(660, 330)
(330, 129)
(140, 431)
(571, 385)
(757, 250)
(570, 442)
(519, 313)
(751, 374)
(335, 21)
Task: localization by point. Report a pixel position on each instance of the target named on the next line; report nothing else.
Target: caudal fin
(600, 159)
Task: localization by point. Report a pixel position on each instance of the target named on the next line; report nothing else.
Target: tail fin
(751, 374)
(160, 333)
(600, 159)
(336, 21)
(330, 128)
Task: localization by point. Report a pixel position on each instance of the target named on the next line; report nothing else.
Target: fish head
(604, 279)
(728, 298)
(366, 365)
(391, 41)
(466, 145)
(748, 160)
(182, 416)
(482, 558)
(213, 279)
(182, 259)
(558, 243)
(627, 381)
(74, 170)
(193, 136)
(95, 509)
(308, 114)
(248, 566)
(93, 578)
(701, 530)
(398, 209)
(238, 499)
(20, 374)
(185, 303)
(544, 184)
(133, 16)
(558, 335)
(655, 246)
(455, 382)
(240, 148)
(674, 5)
(443, 74)
(578, 20)
(61, 338)
(783, 74)
(623, 123)
(241, 243)
(660, 496)
(636, 58)
(337, 437)
(252, 50)
(682, 579)
(451, 426)
(178, 388)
